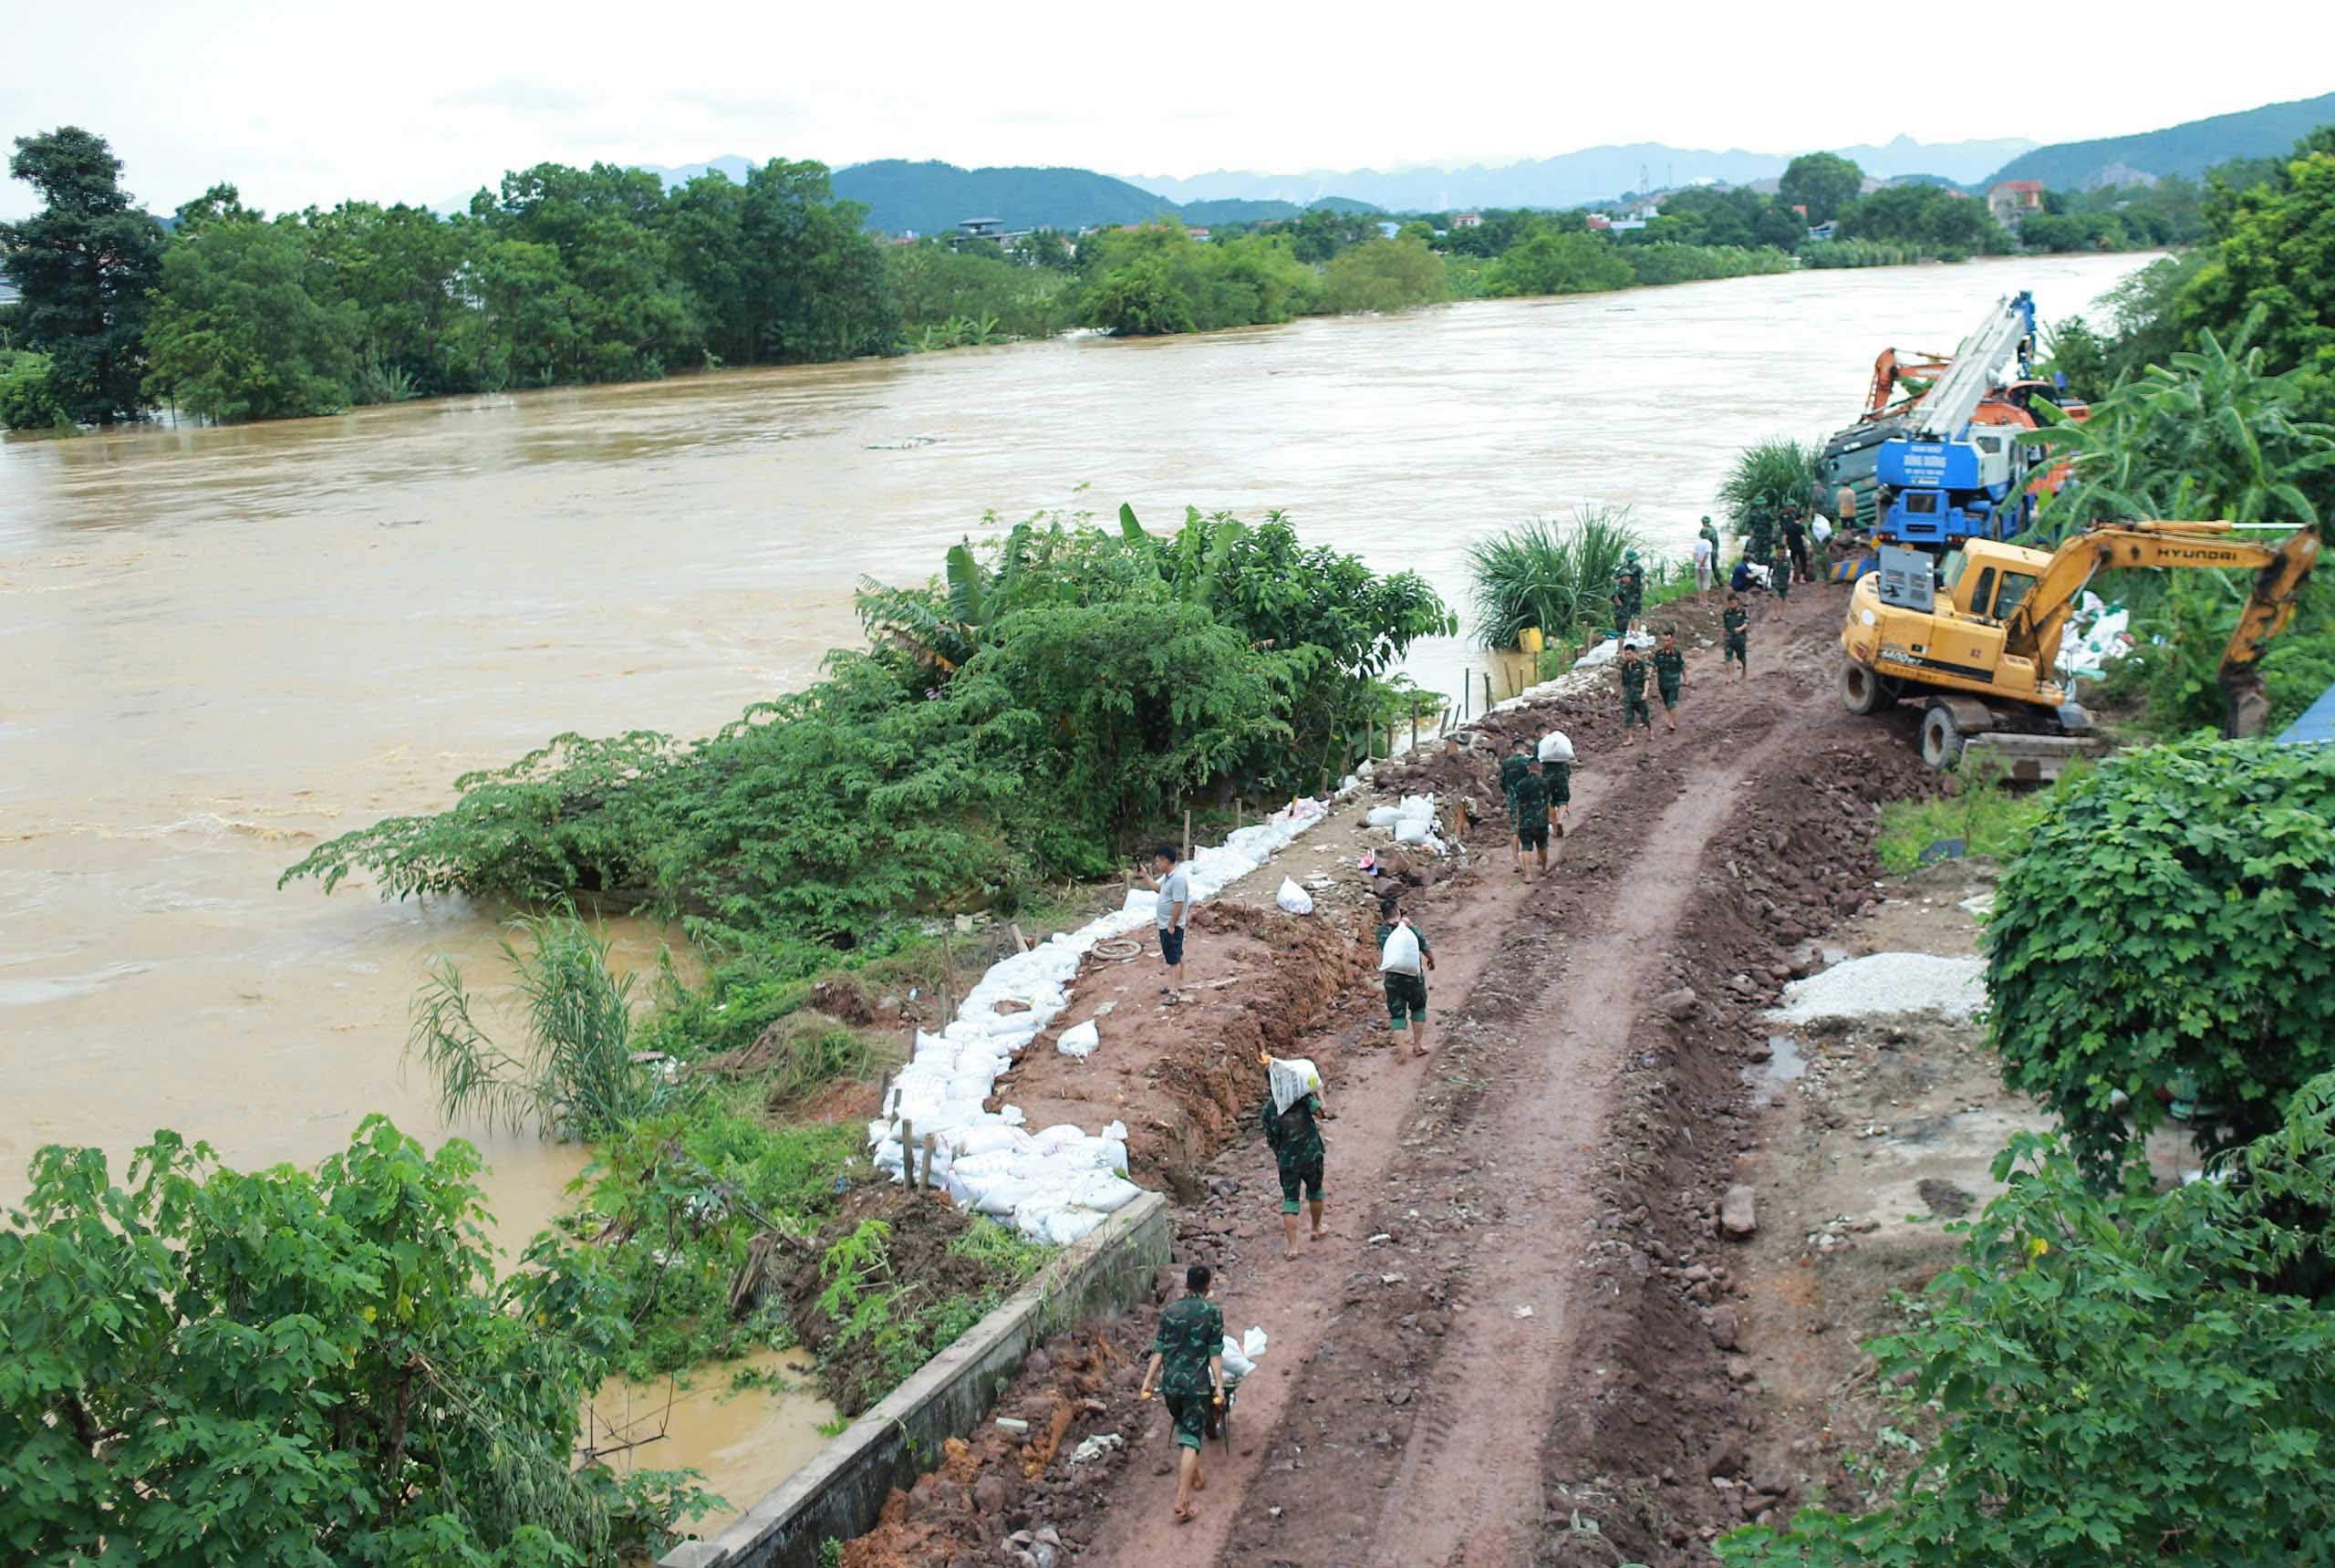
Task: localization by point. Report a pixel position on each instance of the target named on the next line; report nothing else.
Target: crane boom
(1956, 394)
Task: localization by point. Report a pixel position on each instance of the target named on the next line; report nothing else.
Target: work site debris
(1884, 983)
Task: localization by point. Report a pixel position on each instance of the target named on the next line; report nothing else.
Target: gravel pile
(1887, 983)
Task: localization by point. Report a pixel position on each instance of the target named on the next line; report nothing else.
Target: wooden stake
(1187, 833)
(1415, 723)
(908, 1152)
(924, 1176)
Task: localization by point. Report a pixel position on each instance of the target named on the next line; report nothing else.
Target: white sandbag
(1102, 1192)
(1401, 953)
(1412, 830)
(1382, 815)
(1604, 653)
(1030, 1217)
(1079, 1040)
(1252, 1343)
(1556, 746)
(1057, 1137)
(1293, 898)
(1013, 1117)
(1063, 1226)
(1002, 1195)
(1290, 1079)
(1417, 808)
(989, 1138)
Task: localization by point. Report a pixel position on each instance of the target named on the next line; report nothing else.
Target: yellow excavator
(1974, 635)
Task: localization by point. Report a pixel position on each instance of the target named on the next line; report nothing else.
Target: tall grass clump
(1557, 576)
(575, 1079)
(1767, 474)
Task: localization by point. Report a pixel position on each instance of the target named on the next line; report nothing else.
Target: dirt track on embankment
(1562, 1151)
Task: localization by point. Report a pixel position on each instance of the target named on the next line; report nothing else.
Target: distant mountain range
(930, 198)
(1570, 179)
(2188, 149)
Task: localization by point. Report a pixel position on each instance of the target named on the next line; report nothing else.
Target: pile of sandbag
(1411, 821)
(1059, 1182)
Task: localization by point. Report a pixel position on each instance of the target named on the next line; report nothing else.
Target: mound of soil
(922, 1227)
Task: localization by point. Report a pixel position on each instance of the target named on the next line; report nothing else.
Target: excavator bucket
(2277, 588)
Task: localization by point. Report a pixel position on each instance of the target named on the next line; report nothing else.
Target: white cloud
(307, 103)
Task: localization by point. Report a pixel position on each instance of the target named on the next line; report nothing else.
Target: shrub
(29, 398)
(1554, 263)
(1544, 574)
(1384, 275)
(2174, 915)
(1667, 262)
(2125, 1377)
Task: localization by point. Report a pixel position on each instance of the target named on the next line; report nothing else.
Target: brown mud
(1523, 1340)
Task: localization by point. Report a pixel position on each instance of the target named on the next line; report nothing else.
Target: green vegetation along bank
(562, 276)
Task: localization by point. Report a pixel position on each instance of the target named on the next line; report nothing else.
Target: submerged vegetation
(1063, 688)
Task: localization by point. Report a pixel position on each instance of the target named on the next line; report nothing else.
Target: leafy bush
(1556, 576)
(29, 398)
(1384, 275)
(1672, 262)
(674, 1206)
(2174, 915)
(2125, 1377)
(1158, 279)
(287, 1367)
(1554, 263)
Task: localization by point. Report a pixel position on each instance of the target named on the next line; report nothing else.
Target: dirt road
(1515, 1335)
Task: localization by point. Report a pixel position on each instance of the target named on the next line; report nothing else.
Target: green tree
(2126, 1378)
(84, 263)
(2276, 258)
(209, 1366)
(1383, 274)
(1554, 263)
(1823, 182)
(2173, 918)
(246, 326)
(1937, 222)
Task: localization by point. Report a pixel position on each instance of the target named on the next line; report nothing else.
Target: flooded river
(222, 644)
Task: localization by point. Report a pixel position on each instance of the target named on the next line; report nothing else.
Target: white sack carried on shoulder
(1079, 1040)
(1401, 953)
(1293, 898)
(1292, 1078)
(1556, 746)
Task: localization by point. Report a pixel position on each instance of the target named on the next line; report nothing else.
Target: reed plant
(1542, 573)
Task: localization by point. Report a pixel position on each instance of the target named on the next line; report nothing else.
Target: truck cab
(1948, 490)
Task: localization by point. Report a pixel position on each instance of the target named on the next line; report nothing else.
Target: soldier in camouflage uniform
(1635, 711)
(1188, 1367)
(1629, 592)
(1533, 817)
(1669, 677)
(1737, 622)
(1512, 774)
(1780, 569)
(1762, 533)
(1296, 1140)
(1407, 993)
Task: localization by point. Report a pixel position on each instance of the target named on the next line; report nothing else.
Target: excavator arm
(2280, 570)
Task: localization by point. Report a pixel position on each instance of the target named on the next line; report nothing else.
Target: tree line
(563, 275)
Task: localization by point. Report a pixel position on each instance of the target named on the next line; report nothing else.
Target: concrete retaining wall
(839, 1493)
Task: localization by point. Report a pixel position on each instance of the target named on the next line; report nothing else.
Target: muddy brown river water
(219, 645)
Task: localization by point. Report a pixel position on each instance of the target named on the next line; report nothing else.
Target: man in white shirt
(1703, 564)
(1174, 885)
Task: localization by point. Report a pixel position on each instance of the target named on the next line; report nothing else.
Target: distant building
(9, 292)
(1599, 223)
(1467, 221)
(1823, 231)
(2011, 200)
(981, 228)
(1389, 228)
(1199, 235)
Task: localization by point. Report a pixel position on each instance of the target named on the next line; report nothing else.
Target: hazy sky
(422, 100)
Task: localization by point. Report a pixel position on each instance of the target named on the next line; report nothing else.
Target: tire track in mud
(1415, 1434)
(1297, 1301)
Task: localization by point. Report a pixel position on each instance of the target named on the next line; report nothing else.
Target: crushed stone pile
(1883, 985)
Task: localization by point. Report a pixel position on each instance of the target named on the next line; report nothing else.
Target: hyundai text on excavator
(1976, 641)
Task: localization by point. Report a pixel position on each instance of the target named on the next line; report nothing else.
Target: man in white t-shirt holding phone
(1174, 885)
